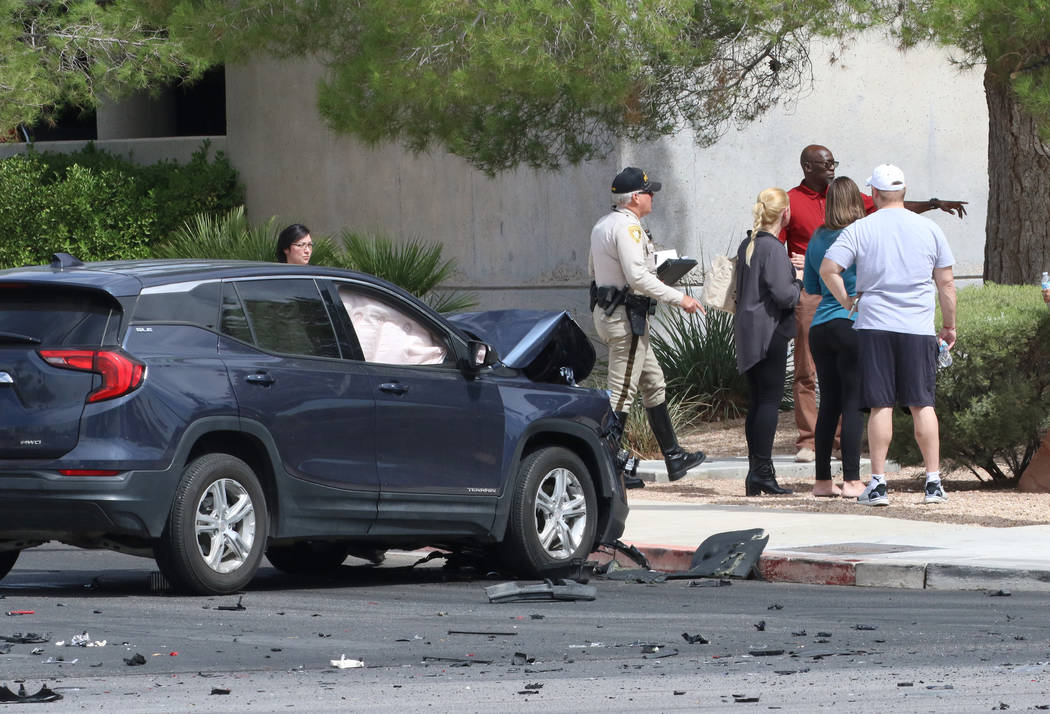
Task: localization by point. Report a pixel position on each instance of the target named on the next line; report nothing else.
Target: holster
(607, 297)
(638, 309)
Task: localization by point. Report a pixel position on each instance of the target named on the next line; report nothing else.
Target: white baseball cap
(886, 177)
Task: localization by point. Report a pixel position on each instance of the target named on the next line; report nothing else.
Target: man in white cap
(624, 293)
(902, 261)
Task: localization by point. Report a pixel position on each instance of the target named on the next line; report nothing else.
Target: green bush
(992, 402)
(98, 206)
(698, 356)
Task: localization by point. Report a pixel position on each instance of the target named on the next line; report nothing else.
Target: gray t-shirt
(896, 252)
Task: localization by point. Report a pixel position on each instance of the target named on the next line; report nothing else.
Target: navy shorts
(897, 368)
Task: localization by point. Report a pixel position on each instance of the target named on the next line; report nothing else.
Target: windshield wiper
(17, 337)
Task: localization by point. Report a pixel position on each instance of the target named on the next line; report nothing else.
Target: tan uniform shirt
(622, 254)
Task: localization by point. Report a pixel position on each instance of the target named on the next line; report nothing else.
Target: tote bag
(720, 284)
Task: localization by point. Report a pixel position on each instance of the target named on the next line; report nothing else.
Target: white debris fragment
(344, 663)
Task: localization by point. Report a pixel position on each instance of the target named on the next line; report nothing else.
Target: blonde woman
(767, 292)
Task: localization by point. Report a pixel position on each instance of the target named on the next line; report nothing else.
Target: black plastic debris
(537, 616)
(760, 625)
(678, 692)
(632, 575)
(549, 590)
(791, 671)
(744, 699)
(823, 634)
(710, 583)
(630, 551)
(233, 608)
(733, 554)
(765, 653)
(135, 660)
(1003, 706)
(905, 684)
(799, 633)
(660, 653)
(865, 627)
(457, 660)
(775, 606)
(43, 696)
(650, 649)
(29, 638)
(520, 658)
(940, 686)
(6, 648)
(485, 633)
(696, 639)
(999, 593)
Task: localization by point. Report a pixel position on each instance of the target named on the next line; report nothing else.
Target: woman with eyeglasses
(294, 245)
(767, 292)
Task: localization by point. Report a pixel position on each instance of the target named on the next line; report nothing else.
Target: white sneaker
(805, 455)
(874, 495)
(934, 493)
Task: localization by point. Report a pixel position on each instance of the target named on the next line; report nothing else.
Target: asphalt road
(431, 641)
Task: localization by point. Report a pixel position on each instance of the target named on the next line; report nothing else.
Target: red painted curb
(774, 567)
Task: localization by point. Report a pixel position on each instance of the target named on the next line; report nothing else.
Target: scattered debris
(678, 692)
(29, 638)
(744, 699)
(657, 655)
(760, 625)
(135, 660)
(630, 551)
(1003, 706)
(791, 671)
(775, 606)
(999, 593)
(696, 639)
(548, 590)
(650, 649)
(233, 608)
(44, 695)
(81, 640)
(710, 583)
(905, 684)
(800, 633)
(765, 653)
(487, 634)
(6, 648)
(20, 612)
(823, 634)
(218, 690)
(455, 660)
(344, 663)
(521, 658)
(940, 686)
(865, 627)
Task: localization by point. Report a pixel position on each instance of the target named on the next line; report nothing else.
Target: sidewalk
(837, 549)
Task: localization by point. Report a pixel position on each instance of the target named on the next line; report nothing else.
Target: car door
(285, 360)
(439, 434)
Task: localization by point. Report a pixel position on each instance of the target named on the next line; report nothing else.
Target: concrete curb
(735, 467)
(806, 568)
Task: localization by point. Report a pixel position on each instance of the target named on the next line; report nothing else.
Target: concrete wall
(521, 239)
(141, 151)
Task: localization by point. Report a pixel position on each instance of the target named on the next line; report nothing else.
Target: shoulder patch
(636, 233)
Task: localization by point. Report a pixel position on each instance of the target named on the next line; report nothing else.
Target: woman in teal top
(833, 343)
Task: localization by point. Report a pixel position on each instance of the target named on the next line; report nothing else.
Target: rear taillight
(120, 373)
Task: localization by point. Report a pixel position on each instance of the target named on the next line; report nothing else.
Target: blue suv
(208, 413)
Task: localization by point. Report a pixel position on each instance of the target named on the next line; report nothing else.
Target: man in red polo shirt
(807, 214)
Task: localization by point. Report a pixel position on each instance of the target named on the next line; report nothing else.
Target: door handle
(262, 378)
(393, 388)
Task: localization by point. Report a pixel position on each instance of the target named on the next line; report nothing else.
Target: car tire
(554, 513)
(307, 557)
(216, 531)
(7, 561)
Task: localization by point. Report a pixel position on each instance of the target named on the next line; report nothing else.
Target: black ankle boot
(762, 478)
(678, 460)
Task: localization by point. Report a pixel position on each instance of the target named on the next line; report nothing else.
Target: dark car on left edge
(208, 413)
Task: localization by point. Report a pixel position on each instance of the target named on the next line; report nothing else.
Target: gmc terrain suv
(206, 413)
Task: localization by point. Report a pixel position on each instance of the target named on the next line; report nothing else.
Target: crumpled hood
(538, 342)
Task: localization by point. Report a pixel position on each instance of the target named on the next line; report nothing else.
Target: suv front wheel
(216, 531)
(554, 513)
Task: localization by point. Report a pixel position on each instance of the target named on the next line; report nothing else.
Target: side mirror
(479, 355)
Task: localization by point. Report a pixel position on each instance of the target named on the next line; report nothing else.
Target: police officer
(623, 295)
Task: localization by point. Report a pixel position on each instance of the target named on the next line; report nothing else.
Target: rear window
(55, 317)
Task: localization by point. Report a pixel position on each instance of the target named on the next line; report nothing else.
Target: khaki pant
(632, 365)
(805, 389)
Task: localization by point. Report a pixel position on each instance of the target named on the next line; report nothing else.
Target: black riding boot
(630, 480)
(762, 478)
(678, 460)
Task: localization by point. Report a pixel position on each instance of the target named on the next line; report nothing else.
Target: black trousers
(766, 390)
(835, 353)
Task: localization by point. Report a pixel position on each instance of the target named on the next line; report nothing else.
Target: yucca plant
(231, 236)
(415, 265)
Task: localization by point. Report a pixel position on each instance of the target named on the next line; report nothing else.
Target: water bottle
(1046, 283)
(944, 355)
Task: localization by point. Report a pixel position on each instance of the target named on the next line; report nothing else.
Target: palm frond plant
(231, 236)
(415, 265)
